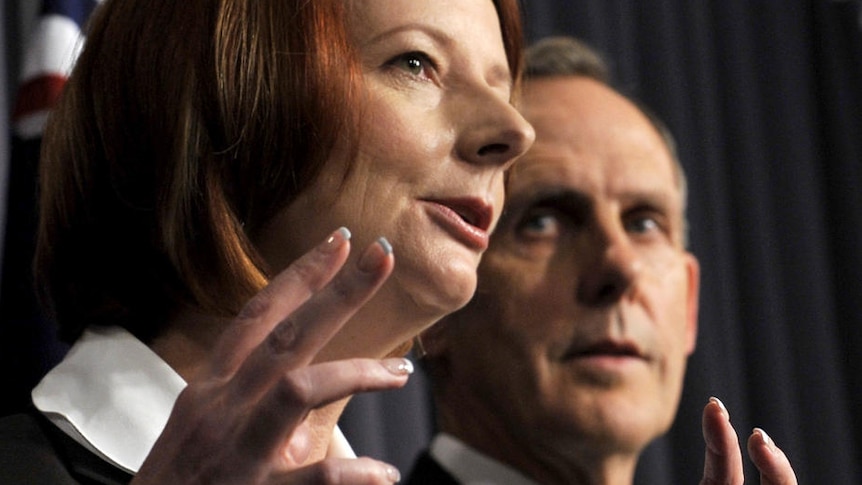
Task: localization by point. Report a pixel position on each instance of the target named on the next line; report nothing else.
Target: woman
(201, 148)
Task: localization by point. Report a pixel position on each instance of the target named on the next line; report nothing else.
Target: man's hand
(723, 462)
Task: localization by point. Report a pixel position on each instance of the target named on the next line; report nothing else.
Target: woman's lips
(466, 219)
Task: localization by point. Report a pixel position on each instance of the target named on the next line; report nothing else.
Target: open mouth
(472, 211)
(467, 219)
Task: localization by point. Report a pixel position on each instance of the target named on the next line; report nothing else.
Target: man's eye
(543, 225)
(643, 225)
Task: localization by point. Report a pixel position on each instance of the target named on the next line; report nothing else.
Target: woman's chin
(437, 297)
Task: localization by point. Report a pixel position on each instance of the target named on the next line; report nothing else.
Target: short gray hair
(567, 56)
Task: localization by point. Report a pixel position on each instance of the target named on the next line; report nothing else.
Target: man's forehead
(544, 169)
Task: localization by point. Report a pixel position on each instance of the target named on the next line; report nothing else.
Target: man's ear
(692, 301)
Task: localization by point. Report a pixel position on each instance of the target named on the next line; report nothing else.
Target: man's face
(587, 300)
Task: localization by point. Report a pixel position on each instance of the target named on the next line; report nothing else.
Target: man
(570, 358)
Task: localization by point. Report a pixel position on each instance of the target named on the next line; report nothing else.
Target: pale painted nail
(384, 243)
(770, 445)
(336, 239)
(399, 366)
(374, 255)
(722, 406)
(393, 474)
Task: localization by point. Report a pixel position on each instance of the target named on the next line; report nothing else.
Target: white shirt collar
(470, 467)
(113, 395)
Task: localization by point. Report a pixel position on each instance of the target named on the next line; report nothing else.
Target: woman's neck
(187, 342)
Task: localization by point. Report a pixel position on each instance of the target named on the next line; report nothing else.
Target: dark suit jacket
(426, 471)
(33, 451)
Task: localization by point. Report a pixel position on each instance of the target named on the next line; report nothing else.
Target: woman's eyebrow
(438, 36)
(498, 75)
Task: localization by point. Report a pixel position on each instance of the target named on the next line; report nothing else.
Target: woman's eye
(414, 63)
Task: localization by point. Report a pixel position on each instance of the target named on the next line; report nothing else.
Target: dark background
(765, 99)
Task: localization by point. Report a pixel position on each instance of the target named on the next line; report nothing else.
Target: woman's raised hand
(243, 420)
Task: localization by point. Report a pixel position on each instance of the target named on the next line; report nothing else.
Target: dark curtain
(765, 99)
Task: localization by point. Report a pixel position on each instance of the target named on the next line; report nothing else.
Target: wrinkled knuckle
(192, 400)
(360, 367)
(329, 472)
(283, 337)
(341, 289)
(362, 373)
(304, 272)
(256, 307)
(296, 388)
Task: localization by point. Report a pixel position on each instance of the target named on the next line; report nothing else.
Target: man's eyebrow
(569, 199)
(655, 198)
(562, 198)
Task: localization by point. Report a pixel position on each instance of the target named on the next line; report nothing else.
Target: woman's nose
(494, 132)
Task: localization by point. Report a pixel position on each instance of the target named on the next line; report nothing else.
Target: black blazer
(426, 471)
(33, 451)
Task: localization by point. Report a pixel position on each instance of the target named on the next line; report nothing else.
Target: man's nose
(610, 268)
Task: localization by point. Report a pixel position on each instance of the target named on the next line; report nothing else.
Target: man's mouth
(606, 349)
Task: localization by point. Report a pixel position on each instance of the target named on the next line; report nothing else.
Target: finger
(775, 468)
(723, 461)
(341, 471)
(280, 412)
(287, 291)
(299, 336)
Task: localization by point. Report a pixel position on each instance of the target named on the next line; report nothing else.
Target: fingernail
(384, 243)
(399, 366)
(374, 256)
(770, 445)
(721, 405)
(336, 239)
(393, 474)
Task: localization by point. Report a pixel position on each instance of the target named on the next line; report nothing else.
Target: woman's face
(437, 134)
